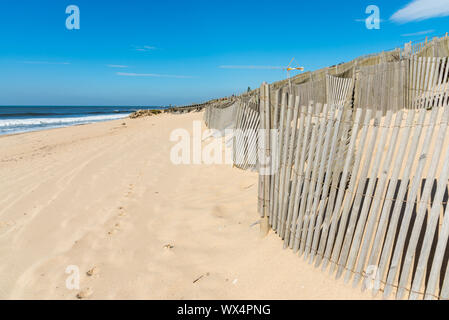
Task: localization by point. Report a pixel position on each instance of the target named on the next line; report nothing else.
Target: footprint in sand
(217, 212)
(122, 212)
(86, 293)
(128, 194)
(130, 190)
(5, 224)
(95, 271)
(114, 229)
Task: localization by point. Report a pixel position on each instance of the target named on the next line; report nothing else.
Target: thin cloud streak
(364, 20)
(420, 33)
(154, 75)
(116, 66)
(419, 10)
(145, 48)
(250, 67)
(46, 62)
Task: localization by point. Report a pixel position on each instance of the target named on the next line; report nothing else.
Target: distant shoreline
(21, 119)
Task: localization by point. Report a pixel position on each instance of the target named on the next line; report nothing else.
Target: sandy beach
(105, 198)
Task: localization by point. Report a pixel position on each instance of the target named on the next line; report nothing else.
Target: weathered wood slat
(315, 184)
(359, 193)
(332, 219)
(347, 193)
(294, 164)
(288, 166)
(330, 175)
(379, 152)
(302, 218)
(274, 148)
(378, 195)
(394, 181)
(422, 207)
(350, 195)
(401, 237)
(300, 176)
(279, 181)
(322, 157)
(432, 222)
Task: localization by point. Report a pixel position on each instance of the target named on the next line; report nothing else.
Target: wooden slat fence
(353, 172)
(220, 117)
(246, 136)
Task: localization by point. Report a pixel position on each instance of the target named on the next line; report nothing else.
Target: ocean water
(17, 119)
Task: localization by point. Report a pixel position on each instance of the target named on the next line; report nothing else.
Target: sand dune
(105, 197)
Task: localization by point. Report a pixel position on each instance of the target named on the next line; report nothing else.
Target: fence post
(407, 49)
(260, 198)
(264, 149)
(434, 48)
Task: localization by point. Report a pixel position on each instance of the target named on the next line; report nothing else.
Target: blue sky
(177, 52)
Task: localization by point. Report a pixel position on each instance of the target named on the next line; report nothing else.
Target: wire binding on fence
(358, 166)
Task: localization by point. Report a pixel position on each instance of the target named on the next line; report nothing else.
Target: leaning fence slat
(326, 151)
(422, 207)
(432, 222)
(234, 136)
(300, 176)
(377, 198)
(282, 126)
(288, 167)
(333, 218)
(437, 263)
(355, 245)
(274, 147)
(324, 121)
(295, 178)
(261, 145)
(295, 137)
(240, 137)
(265, 171)
(333, 170)
(329, 174)
(401, 237)
(302, 218)
(358, 197)
(249, 145)
(445, 94)
(417, 85)
(286, 140)
(394, 181)
(336, 249)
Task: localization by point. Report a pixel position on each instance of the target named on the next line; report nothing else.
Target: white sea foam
(8, 126)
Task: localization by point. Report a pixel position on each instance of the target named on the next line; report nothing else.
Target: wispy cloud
(249, 67)
(145, 48)
(420, 33)
(155, 75)
(364, 20)
(45, 62)
(418, 10)
(116, 66)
